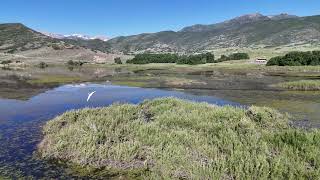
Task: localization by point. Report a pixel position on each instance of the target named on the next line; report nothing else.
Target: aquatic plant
(304, 85)
(176, 139)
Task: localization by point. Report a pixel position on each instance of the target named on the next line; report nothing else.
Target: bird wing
(89, 95)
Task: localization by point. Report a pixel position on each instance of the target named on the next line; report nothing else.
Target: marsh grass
(175, 139)
(304, 85)
(55, 79)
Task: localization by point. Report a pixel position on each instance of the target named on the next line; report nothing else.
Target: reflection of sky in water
(68, 97)
(20, 131)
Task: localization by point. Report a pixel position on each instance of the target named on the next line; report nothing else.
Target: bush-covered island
(176, 139)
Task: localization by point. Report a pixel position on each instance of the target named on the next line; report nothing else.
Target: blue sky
(127, 17)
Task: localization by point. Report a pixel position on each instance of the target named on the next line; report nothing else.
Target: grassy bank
(171, 138)
(55, 79)
(304, 85)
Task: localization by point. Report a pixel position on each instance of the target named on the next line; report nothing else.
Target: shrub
(117, 60)
(75, 63)
(239, 56)
(296, 59)
(153, 58)
(70, 63)
(192, 59)
(43, 65)
(234, 56)
(6, 62)
(56, 47)
(172, 58)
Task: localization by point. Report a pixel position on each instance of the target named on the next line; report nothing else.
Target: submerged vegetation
(304, 85)
(296, 59)
(171, 138)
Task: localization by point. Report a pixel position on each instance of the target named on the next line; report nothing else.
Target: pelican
(89, 95)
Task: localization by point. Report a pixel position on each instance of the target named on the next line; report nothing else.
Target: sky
(127, 17)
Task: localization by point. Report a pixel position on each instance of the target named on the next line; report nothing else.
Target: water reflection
(20, 121)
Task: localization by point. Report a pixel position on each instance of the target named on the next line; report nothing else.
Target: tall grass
(304, 85)
(174, 139)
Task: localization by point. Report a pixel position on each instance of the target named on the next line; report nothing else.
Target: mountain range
(252, 30)
(76, 36)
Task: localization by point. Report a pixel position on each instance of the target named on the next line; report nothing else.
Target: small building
(261, 61)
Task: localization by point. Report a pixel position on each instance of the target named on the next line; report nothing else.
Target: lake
(21, 121)
(33, 96)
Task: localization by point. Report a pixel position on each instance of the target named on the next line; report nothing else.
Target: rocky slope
(18, 42)
(244, 31)
(248, 31)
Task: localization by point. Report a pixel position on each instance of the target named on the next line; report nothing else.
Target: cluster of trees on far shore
(196, 59)
(184, 59)
(153, 58)
(234, 56)
(310, 58)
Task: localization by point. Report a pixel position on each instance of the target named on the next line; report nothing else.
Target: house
(261, 61)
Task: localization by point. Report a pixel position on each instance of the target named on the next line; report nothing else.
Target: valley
(236, 99)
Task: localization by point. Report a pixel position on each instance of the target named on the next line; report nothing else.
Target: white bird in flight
(89, 95)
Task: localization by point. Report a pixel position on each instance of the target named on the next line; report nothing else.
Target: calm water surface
(21, 121)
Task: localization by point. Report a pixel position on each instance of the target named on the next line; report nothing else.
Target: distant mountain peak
(282, 16)
(248, 18)
(75, 36)
(240, 20)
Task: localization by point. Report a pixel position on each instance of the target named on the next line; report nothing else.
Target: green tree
(296, 59)
(43, 65)
(117, 60)
(209, 58)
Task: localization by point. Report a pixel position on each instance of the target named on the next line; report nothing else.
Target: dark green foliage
(234, 56)
(153, 58)
(70, 63)
(239, 56)
(6, 62)
(192, 59)
(75, 63)
(172, 58)
(56, 47)
(196, 59)
(296, 59)
(117, 60)
(43, 65)
(209, 58)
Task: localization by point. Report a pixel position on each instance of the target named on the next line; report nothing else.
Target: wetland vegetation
(171, 138)
(304, 85)
(237, 81)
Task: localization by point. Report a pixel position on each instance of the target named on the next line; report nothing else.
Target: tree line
(184, 59)
(234, 56)
(310, 58)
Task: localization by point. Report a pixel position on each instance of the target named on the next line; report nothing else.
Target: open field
(172, 138)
